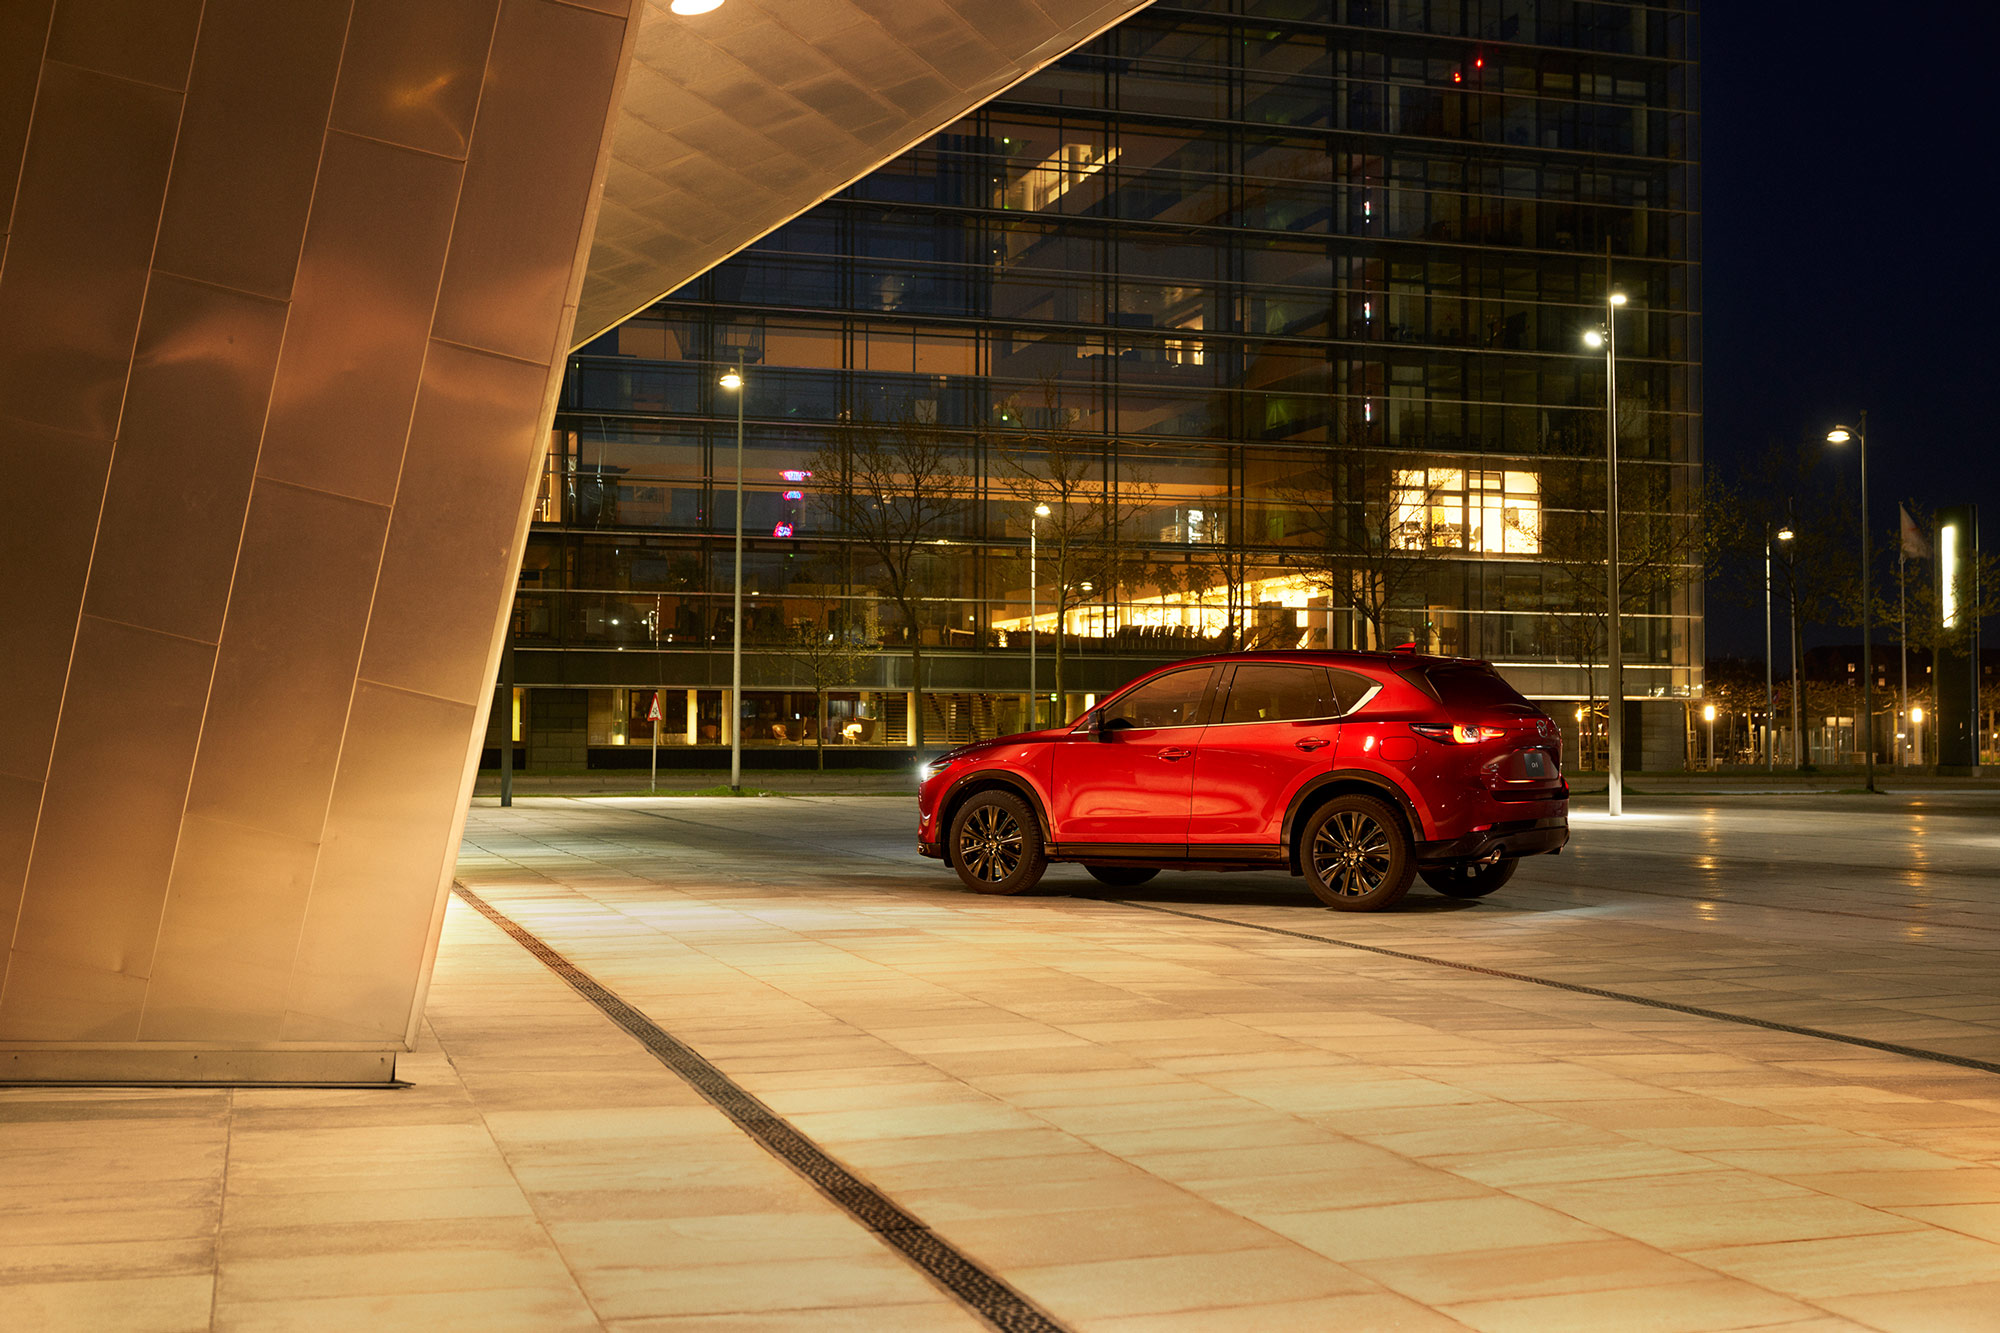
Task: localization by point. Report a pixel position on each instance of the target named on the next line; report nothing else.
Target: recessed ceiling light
(694, 6)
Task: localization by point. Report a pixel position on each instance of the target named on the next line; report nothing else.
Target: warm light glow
(1440, 508)
(1948, 575)
(1041, 511)
(1618, 298)
(1708, 712)
(731, 381)
(1593, 339)
(1579, 715)
(1784, 534)
(689, 8)
(1838, 435)
(1040, 186)
(1916, 714)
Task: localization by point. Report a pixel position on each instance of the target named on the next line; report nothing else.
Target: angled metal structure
(285, 297)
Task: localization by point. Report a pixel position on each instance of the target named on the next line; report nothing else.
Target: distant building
(1234, 256)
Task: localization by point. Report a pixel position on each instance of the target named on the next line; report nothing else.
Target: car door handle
(1312, 742)
(1171, 755)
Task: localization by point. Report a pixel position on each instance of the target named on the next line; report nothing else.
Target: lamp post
(1614, 647)
(1859, 434)
(1770, 687)
(1034, 699)
(1708, 716)
(733, 381)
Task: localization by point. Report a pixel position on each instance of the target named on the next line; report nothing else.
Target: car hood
(1003, 742)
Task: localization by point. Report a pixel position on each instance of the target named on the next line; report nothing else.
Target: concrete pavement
(1723, 1064)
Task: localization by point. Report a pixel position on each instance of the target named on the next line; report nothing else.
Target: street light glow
(1784, 534)
(1618, 298)
(1917, 713)
(1708, 712)
(1593, 339)
(731, 381)
(1041, 511)
(1839, 435)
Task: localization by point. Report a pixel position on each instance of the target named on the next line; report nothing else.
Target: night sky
(1847, 261)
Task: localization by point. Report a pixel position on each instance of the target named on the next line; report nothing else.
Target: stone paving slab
(1140, 1120)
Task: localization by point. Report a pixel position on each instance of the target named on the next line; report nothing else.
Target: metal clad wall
(285, 291)
(282, 309)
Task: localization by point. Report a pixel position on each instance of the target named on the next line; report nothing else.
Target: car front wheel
(1467, 879)
(996, 844)
(1356, 855)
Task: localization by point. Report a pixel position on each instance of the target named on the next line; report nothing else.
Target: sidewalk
(902, 781)
(706, 782)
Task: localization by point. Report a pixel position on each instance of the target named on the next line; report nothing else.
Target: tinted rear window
(1472, 687)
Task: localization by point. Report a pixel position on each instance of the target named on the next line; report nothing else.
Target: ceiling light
(692, 7)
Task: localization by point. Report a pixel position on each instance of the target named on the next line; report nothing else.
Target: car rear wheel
(1122, 877)
(996, 844)
(1468, 879)
(1356, 855)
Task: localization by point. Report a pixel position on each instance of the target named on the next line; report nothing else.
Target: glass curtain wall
(1276, 305)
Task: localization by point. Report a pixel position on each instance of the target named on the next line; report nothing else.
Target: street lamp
(1034, 699)
(1770, 688)
(1708, 716)
(1614, 647)
(1917, 733)
(733, 381)
(1859, 434)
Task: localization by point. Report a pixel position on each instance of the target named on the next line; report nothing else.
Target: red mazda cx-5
(1357, 770)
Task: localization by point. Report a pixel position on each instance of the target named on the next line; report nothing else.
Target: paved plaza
(695, 1063)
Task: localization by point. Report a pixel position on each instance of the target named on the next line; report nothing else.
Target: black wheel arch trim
(1303, 799)
(970, 785)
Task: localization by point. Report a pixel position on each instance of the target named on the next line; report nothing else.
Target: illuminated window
(1453, 509)
(1039, 187)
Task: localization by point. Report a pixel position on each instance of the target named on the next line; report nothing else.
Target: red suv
(1357, 770)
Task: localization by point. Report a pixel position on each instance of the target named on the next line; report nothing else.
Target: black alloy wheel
(996, 844)
(1122, 877)
(1470, 879)
(1357, 857)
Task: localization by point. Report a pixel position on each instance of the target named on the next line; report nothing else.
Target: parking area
(1724, 1063)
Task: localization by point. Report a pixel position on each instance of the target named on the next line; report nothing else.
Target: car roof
(1390, 661)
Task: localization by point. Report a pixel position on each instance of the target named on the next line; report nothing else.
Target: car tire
(1356, 856)
(996, 844)
(1466, 879)
(1122, 877)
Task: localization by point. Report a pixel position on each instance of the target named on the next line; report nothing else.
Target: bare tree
(1671, 526)
(897, 489)
(1810, 579)
(1369, 538)
(1080, 557)
(1915, 585)
(826, 652)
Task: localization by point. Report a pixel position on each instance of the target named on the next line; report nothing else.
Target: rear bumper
(1523, 837)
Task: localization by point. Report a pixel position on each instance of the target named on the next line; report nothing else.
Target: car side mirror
(1093, 723)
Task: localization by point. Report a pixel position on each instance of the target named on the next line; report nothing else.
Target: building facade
(1276, 308)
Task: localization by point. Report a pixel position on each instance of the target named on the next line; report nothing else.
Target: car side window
(1172, 700)
(1350, 688)
(1264, 692)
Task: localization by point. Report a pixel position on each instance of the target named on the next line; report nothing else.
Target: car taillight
(1457, 735)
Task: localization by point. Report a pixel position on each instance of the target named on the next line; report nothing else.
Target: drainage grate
(980, 1291)
(1893, 1048)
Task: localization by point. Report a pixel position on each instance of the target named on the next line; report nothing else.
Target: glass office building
(1276, 306)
